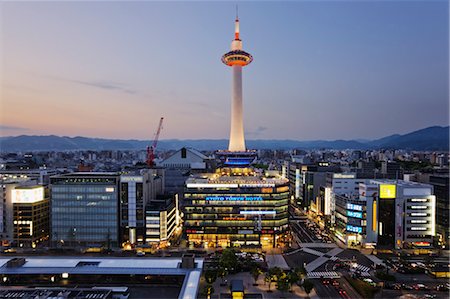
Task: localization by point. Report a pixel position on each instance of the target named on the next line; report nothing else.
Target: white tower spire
(237, 58)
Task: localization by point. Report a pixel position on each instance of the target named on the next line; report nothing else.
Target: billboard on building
(27, 195)
(387, 191)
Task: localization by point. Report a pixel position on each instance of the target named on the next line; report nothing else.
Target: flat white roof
(110, 265)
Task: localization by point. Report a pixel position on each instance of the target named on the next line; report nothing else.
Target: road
(303, 234)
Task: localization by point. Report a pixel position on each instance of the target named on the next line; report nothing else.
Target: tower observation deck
(237, 58)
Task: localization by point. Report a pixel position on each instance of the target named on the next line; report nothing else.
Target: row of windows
(85, 210)
(82, 197)
(235, 210)
(83, 189)
(230, 223)
(265, 203)
(80, 230)
(264, 196)
(234, 216)
(83, 223)
(103, 204)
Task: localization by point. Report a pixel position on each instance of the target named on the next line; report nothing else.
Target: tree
(222, 272)
(272, 274)
(308, 286)
(276, 271)
(282, 282)
(293, 277)
(301, 272)
(256, 272)
(228, 260)
(210, 276)
(268, 278)
(209, 290)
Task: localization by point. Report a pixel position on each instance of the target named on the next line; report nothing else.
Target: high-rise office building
(85, 209)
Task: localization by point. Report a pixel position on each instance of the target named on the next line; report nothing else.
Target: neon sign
(234, 198)
(354, 214)
(351, 206)
(354, 229)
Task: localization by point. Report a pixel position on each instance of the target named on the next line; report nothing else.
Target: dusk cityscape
(247, 149)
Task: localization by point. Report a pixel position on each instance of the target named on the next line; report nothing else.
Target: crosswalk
(326, 274)
(362, 268)
(334, 258)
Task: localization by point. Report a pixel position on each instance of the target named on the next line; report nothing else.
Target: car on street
(442, 288)
(343, 293)
(406, 287)
(325, 281)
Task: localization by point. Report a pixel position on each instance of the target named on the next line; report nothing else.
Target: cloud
(106, 85)
(259, 130)
(12, 128)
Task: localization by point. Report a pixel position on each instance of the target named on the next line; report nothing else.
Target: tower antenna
(237, 12)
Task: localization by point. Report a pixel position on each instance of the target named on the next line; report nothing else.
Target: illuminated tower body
(237, 58)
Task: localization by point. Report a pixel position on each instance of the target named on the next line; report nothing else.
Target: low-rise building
(162, 218)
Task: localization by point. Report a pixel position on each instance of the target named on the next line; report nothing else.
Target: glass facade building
(236, 207)
(84, 209)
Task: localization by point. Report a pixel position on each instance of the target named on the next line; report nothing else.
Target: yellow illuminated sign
(267, 190)
(374, 219)
(387, 191)
(283, 189)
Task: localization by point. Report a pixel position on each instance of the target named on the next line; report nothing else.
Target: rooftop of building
(399, 183)
(87, 174)
(27, 187)
(51, 293)
(161, 204)
(30, 265)
(232, 177)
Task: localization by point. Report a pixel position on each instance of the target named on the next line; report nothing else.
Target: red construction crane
(151, 149)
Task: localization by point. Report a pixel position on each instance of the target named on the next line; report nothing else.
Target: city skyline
(341, 70)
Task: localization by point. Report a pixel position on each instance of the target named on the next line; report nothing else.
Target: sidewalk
(261, 288)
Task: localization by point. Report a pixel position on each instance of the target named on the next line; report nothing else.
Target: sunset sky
(321, 70)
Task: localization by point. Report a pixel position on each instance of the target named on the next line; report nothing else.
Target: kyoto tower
(237, 58)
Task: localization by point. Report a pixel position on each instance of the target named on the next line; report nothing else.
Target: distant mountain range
(432, 138)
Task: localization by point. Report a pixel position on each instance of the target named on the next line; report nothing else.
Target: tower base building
(236, 207)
